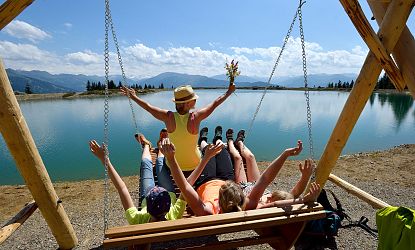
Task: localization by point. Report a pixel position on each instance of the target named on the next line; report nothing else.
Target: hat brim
(191, 99)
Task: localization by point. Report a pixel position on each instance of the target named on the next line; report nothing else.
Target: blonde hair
(281, 195)
(231, 197)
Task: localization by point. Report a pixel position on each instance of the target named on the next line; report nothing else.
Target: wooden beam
(12, 225)
(365, 83)
(355, 12)
(22, 147)
(404, 51)
(359, 193)
(11, 9)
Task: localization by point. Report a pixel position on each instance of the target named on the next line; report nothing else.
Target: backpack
(329, 226)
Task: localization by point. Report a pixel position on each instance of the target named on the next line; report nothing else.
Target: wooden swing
(393, 38)
(276, 226)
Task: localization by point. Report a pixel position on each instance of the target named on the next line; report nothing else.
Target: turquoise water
(62, 128)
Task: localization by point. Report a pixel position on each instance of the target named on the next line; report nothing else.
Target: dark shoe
(218, 134)
(240, 136)
(229, 134)
(203, 135)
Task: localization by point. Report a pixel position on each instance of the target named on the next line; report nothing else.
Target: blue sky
(193, 37)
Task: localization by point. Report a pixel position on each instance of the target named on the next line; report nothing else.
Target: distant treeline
(111, 85)
(383, 83)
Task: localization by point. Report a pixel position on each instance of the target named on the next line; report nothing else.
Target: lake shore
(100, 94)
(388, 175)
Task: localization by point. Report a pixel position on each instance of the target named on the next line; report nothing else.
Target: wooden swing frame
(393, 38)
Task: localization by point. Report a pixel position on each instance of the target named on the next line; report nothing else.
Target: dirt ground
(388, 175)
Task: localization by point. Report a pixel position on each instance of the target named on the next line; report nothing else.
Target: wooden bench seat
(276, 226)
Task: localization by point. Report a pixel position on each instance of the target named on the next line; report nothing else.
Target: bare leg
(240, 175)
(251, 165)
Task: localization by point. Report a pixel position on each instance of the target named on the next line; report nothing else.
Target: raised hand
(313, 193)
(97, 150)
(127, 91)
(306, 169)
(213, 149)
(295, 151)
(168, 148)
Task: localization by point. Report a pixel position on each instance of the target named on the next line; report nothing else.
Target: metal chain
(106, 114)
(287, 36)
(114, 37)
(306, 91)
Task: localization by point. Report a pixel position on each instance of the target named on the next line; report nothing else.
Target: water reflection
(61, 128)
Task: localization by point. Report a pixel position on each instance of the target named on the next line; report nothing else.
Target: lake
(62, 128)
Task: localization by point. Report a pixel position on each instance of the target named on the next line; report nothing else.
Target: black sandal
(240, 136)
(229, 134)
(218, 134)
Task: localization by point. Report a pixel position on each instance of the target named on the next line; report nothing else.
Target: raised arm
(269, 175)
(119, 184)
(204, 112)
(158, 113)
(187, 190)
(306, 171)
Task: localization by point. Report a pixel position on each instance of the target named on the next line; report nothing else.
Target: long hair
(231, 197)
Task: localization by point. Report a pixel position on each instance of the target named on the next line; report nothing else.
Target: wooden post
(404, 51)
(22, 146)
(365, 83)
(11, 9)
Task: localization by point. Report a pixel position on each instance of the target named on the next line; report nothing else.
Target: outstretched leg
(146, 167)
(251, 165)
(240, 175)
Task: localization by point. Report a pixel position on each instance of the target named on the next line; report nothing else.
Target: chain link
(306, 90)
(287, 36)
(106, 115)
(124, 78)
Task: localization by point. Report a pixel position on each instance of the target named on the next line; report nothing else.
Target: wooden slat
(213, 230)
(363, 88)
(209, 220)
(355, 12)
(11, 9)
(12, 225)
(359, 193)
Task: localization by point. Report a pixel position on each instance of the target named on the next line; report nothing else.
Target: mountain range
(44, 82)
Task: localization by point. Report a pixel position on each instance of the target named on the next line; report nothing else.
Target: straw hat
(184, 94)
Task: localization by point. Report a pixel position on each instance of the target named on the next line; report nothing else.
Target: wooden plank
(11, 9)
(209, 220)
(355, 12)
(368, 198)
(404, 51)
(12, 225)
(363, 88)
(22, 147)
(212, 230)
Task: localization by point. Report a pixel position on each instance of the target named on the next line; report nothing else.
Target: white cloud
(23, 30)
(140, 60)
(85, 57)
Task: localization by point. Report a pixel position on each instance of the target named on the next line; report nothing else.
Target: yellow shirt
(187, 153)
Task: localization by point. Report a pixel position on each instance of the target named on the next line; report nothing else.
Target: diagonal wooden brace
(355, 12)
(393, 26)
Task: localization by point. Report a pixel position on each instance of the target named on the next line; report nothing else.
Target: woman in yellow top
(182, 125)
